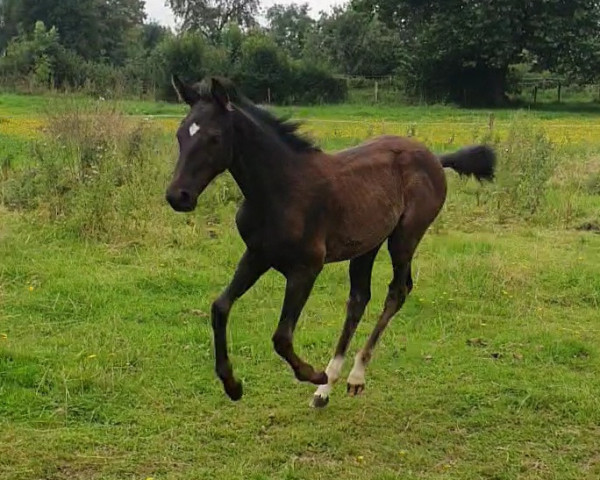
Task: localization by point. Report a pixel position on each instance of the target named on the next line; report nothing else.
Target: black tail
(478, 161)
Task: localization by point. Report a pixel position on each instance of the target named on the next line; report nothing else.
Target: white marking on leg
(333, 371)
(357, 374)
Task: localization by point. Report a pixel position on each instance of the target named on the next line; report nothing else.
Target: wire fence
(530, 88)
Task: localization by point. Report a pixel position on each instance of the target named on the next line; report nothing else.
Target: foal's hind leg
(360, 294)
(401, 249)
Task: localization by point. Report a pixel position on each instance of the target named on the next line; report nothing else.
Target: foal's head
(205, 139)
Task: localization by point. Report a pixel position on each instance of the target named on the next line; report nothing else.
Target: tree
(120, 20)
(290, 25)
(153, 34)
(356, 43)
(93, 29)
(8, 23)
(232, 39)
(462, 49)
(263, 66)
(211, 16)
(34, 56)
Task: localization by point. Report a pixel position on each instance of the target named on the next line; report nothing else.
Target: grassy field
(491, 370)
(337, 126)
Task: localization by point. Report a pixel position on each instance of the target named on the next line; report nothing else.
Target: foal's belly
(360, 230)
(366, 201)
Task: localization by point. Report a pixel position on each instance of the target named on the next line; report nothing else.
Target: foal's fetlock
(306, 373)
(320, 378)
(233, 389)
(282, 345)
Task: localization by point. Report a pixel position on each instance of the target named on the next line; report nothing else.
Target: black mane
(286, 130)
(283, 128)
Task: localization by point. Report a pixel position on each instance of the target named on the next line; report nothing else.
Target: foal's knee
(219, 310)
(361, 298)
(358, 301)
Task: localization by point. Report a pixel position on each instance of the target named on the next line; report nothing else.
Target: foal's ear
(220, 93)
(186, 93)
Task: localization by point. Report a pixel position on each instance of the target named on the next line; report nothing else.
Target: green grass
(16, 104)
(106, 366)
(432, 113)
(13, 150)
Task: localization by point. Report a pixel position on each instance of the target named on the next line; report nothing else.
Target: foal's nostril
(184, 197)
(180, 200)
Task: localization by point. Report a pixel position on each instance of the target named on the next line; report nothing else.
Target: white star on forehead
(194, 128)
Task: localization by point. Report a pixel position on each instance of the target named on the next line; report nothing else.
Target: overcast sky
(156, 9)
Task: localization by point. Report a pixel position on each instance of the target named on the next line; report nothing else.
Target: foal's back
(372, 185)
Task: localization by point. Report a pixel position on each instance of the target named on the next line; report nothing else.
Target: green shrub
(190, 57)
(33, 56)
(263, 70)
(311, 84)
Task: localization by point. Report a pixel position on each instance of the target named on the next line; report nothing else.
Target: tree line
(464, 51)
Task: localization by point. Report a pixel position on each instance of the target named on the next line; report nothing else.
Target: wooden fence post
(269, 95)
(376, 91)
(559, 89)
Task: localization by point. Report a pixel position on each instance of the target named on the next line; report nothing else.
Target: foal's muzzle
(181, 200)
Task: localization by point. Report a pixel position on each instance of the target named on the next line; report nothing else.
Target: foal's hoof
(319, 402)
(234, 390)
(355, 390)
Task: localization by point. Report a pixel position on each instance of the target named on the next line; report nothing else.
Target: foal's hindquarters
(409, 183)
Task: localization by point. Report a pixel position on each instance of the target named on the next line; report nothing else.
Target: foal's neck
(262, 165)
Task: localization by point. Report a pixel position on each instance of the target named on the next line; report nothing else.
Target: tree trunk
(481, 86)
(497, 87)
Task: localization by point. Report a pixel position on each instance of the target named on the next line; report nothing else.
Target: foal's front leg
(251, 267)
(298, 288)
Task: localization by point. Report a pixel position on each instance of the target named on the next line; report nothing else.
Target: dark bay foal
(304, 208)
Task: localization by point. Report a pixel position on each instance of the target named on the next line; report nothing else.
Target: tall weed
(522, 190)
(81, 170)
(527, 161)
(102, 175)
